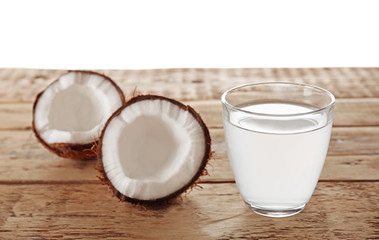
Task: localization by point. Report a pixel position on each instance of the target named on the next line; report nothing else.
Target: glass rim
(329, 105)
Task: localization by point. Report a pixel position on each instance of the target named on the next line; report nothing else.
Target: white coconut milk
(277, 162)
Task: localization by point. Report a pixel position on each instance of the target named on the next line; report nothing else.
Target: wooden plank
(344, 141)
(88, 211)
(354, 140)
(353, 155)
(356, 112)
(16, 116)
(22, 85)
(336, 168)
(348, 112)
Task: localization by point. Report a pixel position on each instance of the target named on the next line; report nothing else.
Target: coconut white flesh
(152, 149)
(74, 109)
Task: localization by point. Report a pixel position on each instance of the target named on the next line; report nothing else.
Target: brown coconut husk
(72, 150)
(188, 186)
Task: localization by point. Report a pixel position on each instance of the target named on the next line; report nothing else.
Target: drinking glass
(277, 136)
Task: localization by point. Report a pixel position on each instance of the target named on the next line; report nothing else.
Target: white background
(140, 34)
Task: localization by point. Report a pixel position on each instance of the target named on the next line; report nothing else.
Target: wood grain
(336, 168)
(344, 141)
(43, 196)
(348, 112)
(22, 85)
(353, 155)
(88, 211)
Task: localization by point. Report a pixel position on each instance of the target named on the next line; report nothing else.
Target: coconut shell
(191, 184)
(72, 150)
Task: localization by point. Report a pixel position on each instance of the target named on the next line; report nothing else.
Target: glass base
(275, 212)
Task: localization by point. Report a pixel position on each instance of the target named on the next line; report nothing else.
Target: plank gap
(210, 127)
(211, 100)
(94, 182)
(47, 182)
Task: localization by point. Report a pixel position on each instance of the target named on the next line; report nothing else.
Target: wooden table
(43, 196)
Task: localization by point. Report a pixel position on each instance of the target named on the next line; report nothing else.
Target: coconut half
(153, 149)
(69, 115)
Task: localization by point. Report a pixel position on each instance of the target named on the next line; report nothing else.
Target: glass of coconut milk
(277, 136)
